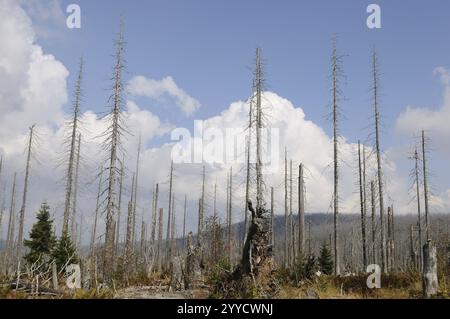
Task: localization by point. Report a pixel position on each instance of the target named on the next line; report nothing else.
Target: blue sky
(208, 48)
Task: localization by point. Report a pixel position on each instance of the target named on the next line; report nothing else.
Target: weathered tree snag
(425, 186)
(71, 167)
(363, 211)
(119, 205)
(301, 213)
(113, 142)
(192, 273)
(11, 224)
(24, 200)
(75, 192)
(336, 71)
(375, 87)
(256, 266)
(272, 212)
(429, 276)
(286, 225)
(419, 218)
(160, 236)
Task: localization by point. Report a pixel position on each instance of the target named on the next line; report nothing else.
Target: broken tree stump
(254, 274)
(429, 275)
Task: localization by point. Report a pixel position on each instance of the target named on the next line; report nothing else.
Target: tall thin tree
(425, 186)
(375, 88)
(419, 218)
(301, 213)
(112, 143)
(336, 73)
(73, 126)
(24, 197)
(363, 213)
(75, 190)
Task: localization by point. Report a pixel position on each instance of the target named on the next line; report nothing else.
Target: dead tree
(201, 213)
(286, 224)
(119, 205)
(230, 205)
(112, 143)
(272, 226)
(11, 224)
(75, 191)
(375, 88)
(154, 219)
(336, 67)
(291, 220)
(259, 124)
(256, 264)
(73, 126)
(429, 277)
(134, 199)
(160, 237)
(363, 213)
(184, 216)
(372, 200)
(390, 240)
(419, 218)
(169, 217)
(24, 198)
(129, 244)
(412, 250)
(425, 186)
(247, 180)
(301, 213)
(94, 228)
(172, 230)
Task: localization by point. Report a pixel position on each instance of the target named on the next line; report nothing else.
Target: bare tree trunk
(169, 217)
(154, 218)
(378, 152)
(310, 239)
(412, 251)
(11, 224)
(419, 218)
(247, 180)
(114, 140)
(119, 205)
(286, 225)
(372, 199)
(363, 213)
(291, 220)
(184, 216)
(389, 239)
(201, 212)
(425, 186)
(24, 198)
(70, 169)
(230, 205)
(335, 74)
(94, 229)
(172, 230)
(142, 243)
(272, 212)
(134, 199)
(129, 235)
(429, 277)
(75, 191)
(259, 178)
(301, 213)
(160, 237)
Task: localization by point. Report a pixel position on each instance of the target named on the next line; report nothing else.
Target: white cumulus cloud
(142, 86)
